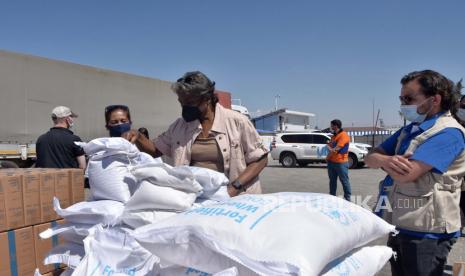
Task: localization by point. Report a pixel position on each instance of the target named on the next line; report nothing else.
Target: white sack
(67, 272)
(107, 212)
(365, 261)
(114, 252)
(150, 196)
(179, 178)
(137, 219)
(69, 254)
(178, 270)
(110, 178)
(69, 232)
(220, 195)
(210, 180)
(109, 168)
(109, 145)
(272, 234)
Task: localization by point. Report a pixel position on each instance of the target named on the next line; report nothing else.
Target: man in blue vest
(425, 163)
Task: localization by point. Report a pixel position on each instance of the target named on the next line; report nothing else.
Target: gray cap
(63, 111)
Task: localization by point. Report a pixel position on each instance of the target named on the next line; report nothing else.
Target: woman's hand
(132, 135)
(232, 191)
(141, 142)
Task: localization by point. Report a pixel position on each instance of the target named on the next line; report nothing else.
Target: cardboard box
(62, 187)
(31, 197)
(76, 177)
(43, 247)
(47, 192)
(11, 198)
(17, 252)
(3, 223)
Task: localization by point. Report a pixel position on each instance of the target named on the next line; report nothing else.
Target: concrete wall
(31, 86)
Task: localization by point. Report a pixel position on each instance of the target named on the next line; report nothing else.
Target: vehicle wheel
(353, 161)
(302, 163)
(360, 165)
(288, 160)
(8, 165)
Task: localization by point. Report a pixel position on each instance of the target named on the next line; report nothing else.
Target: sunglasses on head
(187, 79)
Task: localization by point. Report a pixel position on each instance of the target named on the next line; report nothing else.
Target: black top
(56, 149)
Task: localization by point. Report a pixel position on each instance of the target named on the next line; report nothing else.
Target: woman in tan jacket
(210, 136)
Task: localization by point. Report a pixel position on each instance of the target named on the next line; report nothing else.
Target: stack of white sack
(165, 191)
(362, 262)
(113, 251)
(81, 219)
(111, 186)
(252, 233)
(128, 189)
(108, 169)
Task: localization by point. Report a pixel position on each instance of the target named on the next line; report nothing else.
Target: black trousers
(419, 256)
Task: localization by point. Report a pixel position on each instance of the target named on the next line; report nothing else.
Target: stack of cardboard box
(26, 209)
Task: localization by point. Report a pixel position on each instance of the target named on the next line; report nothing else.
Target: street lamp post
(276, 101)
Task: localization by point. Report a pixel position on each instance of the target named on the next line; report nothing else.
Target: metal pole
(373, 118)
(374, 131)
(276, 102)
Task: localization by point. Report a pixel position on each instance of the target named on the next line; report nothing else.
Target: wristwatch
(237, 185)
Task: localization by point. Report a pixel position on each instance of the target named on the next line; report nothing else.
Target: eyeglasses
(408, 99)
(113, 107)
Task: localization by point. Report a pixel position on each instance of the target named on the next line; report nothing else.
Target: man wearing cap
(56, 148)
(338, 159)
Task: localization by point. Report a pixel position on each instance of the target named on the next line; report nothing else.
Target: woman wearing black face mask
(118, 120)
(210, 136)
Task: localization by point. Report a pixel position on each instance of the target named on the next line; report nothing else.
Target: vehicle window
(320, 139)
(297, 139)
(307, 139)
(288, 138)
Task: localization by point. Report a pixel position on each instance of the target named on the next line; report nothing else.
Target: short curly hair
(433, 83)
(337, 123)
(196, 85)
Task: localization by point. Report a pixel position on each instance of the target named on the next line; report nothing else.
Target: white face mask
(411, 114)
(70, 122)
(461, 114)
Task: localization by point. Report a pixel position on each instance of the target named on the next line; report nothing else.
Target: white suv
(304, 148)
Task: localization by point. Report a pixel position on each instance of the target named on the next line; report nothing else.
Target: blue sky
(332, 58)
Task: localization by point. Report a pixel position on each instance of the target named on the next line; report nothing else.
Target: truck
(31, 86)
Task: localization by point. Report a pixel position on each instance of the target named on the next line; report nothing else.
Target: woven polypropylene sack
(110, 178)
(273, 234)
(136, 219)
(164, 175)
(365, 261)
(154, 197)
(69, 232)
(107, 212)
(113, 252)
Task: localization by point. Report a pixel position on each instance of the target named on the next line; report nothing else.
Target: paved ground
(315, 179)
